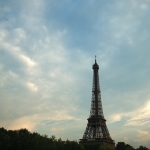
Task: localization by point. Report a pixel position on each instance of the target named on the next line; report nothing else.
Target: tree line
(24, 140)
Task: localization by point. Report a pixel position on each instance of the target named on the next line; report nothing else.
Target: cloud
(142, 133)
(56, 129)
(24, 122)
(116, 117)
(31, 122)
(15, 53)
(27, 60)
(137, 117)
(32, 87)
(142, 137)
(126, 139)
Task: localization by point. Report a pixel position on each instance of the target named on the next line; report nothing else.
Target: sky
(47, 49)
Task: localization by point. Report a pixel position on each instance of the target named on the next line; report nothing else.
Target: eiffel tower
(96, 131)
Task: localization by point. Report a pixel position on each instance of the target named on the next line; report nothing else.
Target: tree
(106, 148)
(142, 148)
(123, 146)
(129, 147)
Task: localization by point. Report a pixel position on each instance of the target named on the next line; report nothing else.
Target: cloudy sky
(47, 49)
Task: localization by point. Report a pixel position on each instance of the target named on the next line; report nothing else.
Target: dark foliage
(24, 140)
(91, 147)
(123, 146)
(142, 148)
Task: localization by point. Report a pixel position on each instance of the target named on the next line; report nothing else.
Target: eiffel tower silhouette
(96, 131)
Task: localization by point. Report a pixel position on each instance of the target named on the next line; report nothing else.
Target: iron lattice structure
(96, 130)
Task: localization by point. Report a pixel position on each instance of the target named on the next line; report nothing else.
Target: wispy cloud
(142, 137)
(137, 117)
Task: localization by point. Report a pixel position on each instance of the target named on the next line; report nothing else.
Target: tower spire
(96, 130)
